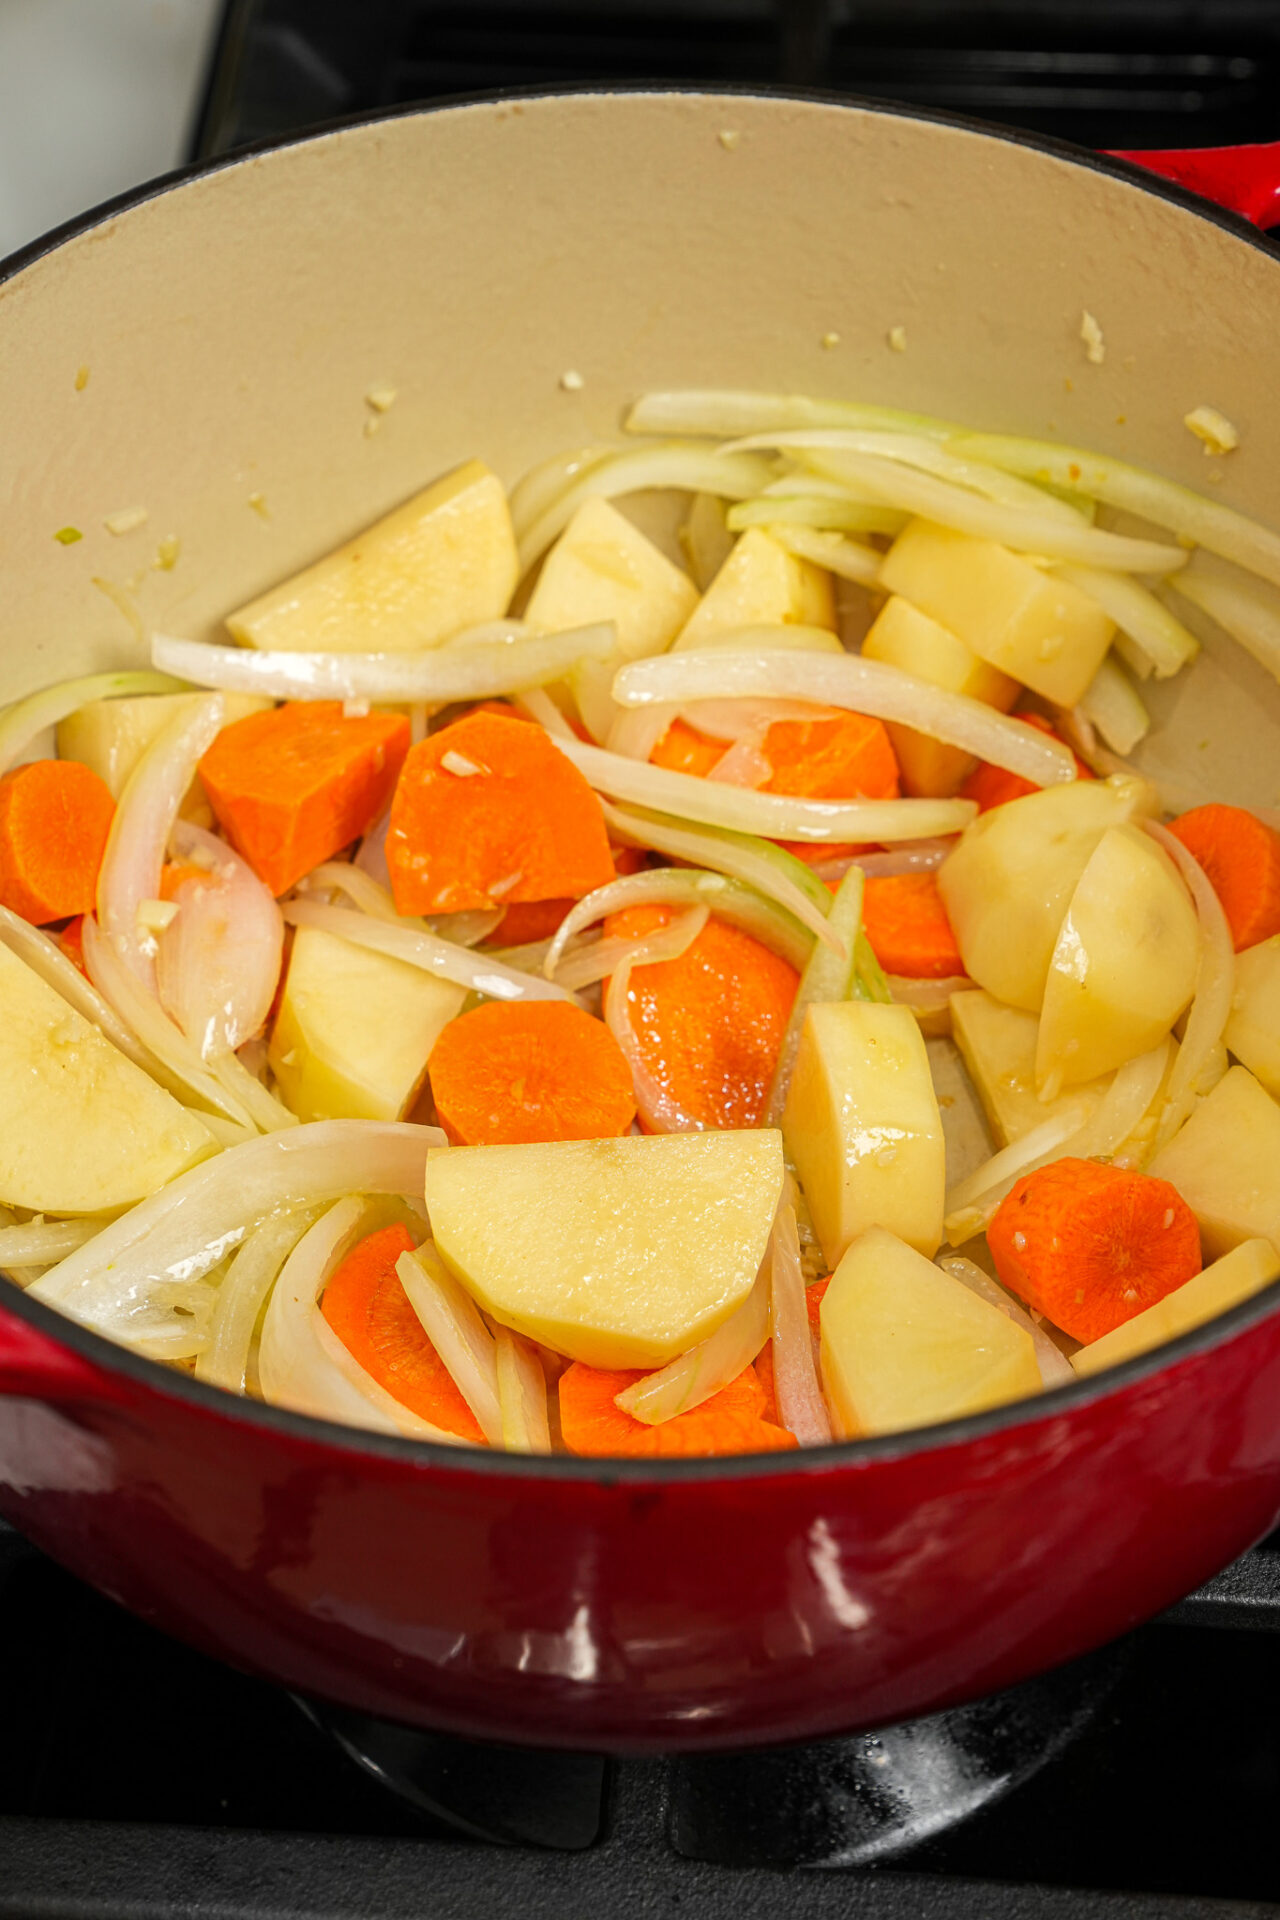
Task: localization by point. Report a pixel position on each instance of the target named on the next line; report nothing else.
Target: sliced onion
(1055, 1369)
(1163, 642)
(135, 851)
(724, 412)
(451, 1321)
(1124, 1105)
(1027, 530)
(45, 957)
(128, 1281)
(635, 734)
(921, 856)
(522, 1394)
(479, 972)
(40, 1243)
(538, 704)
(24, 721)
(695, 1375)
(801, 1407)
(244, 1288)
(478, 670)
(687, 466)
(371, 897)
(927, 996)
(861, 686)
(538, 489)
(847, 559)
(1215, 987)
(1206, 522)
(739, 719)
(658, 1109)
(773, 815)
(1111, 704)
(769, 869)
(971, 1204)
(1240, 610)
(743, 764)
(371, 854)
(604, 957)
(302, 1364)
(729, 900)
(218, 963)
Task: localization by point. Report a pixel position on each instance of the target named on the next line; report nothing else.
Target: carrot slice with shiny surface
(708, 1026)
(293, 786)
(994, 786)
(682, 749)
(1089, 1245)
(1241, 857)
(488, 812)
(55, 816)
(731, 1421)
(369, 1311)
(511, 1072)
(907, 925)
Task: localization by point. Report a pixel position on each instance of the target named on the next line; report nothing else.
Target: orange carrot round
(513, 1071)
(846, 757)
(708, 1026)
(731, 1421)
(1241, 857)
(55, 816)
(292, 786)
(995, 786)
(488, 812)
(529, 920)
(1089, 1245)
(682, 749)
(369, 1311)
(908, 928)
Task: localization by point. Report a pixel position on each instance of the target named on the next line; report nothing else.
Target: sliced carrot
(847, 757)
(763, 1364)
(709, 1025)
(908, 928)
(527, 921)
(292, 786)
(813, 1298)
(994, 786)
(71, 940)
(1089, 1245)
(731, 1421)
(1241, 856)
(682, 749)
(513, 1071)
(55, 816)
(629, 860)
(369, 1311)
(487, 812)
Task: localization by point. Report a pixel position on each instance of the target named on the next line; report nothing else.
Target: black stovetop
(140, 1779)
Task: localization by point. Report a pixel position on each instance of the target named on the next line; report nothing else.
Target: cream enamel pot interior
(204, 352)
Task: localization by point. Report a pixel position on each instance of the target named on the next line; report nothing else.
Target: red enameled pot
(213, 339)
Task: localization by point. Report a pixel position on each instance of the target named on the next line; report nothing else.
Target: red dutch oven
(203, 350)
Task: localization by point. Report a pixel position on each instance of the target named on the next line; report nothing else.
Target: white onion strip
(739, 719)
(126, 1282)
(544, 484)
(1215, 986)
(601, 958)
(725, 412)
(218, 962)
(701, 1371)
(801, 1407)
(970, 1205)
(1239, 610)
(924, 856)
(371, 897)
(770, 815)
(1055, 1369)
(729, 900)
(45, 957)
(451, 1321)
(477, 670)
(244, 1287)
(1111, 704)
(139, 836)
(479, 972)
(689, 467)
(522, 1394)
(847, 559)
(40, 1243)
(27, 719)
(1124, 1105)
(861, 686)
(1165, 644)
(657, 1108)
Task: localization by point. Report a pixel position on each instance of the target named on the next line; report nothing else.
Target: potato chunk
(110, 736)
(443, 561)
(998, 1047)
(904, 637)
(761, 584)
(82, 1130)
(905, 1345)
(1235, 1277)
(1124, 966)
(1225, 1162)
(863, 1128)
(620, 1253)
(1018, 618)
(1253, 1030)
(603, 568)
(354, 1029)
(1007, 886)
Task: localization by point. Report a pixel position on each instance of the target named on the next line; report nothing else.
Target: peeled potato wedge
(1225, 1162)
(761, 585)
(905, 1345)
(1253, 1030)
(1233, 1278)
(998, 1047)
(110, 736)
(904, 637)
(1124, 964)
(621, 1253)
(603, 568)
(443, 561)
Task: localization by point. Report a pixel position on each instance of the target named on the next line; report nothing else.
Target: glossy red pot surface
(227, 329)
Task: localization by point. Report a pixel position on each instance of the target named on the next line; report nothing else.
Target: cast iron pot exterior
(230, 326)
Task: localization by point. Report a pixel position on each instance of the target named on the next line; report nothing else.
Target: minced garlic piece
(167, 554)
(897, 337)
(1213, 428)
(1091, 333)
(572, 381)
(258, 501)
(126, 520)
(380, 397)
(830, 340)
(458, 763)
(155, 915)
(728, 138)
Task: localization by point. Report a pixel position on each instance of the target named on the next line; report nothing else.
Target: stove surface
(140, 1779)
